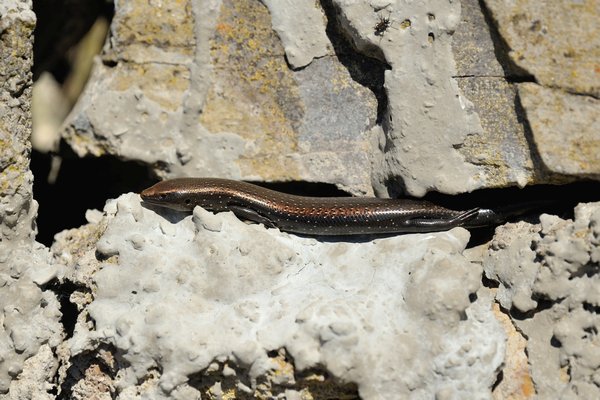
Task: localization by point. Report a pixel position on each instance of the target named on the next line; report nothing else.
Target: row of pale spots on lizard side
(300, 214)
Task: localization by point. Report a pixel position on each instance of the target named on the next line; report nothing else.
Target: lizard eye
(163, 196)
(188, 202)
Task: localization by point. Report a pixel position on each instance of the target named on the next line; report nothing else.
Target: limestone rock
(556, 41)
(566, 129)
(181, 293)
(549, 273)
(29, 312)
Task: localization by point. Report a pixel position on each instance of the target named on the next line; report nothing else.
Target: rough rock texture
(164, 305)
(484, 74)
(17, 208)
(29, 314)
(425, 107)
(555, 41)
(171, 279)
(566, 129)
(292, 91)
(231, 106)
(302, 32)
(515, 382)
(563, 111)
(548, 276)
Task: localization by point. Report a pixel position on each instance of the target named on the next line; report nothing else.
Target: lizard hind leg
(248, 214)
(433, 224)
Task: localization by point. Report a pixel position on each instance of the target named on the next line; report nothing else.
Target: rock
(566, 129)
(181, 297)
(29, 312)
(545, 41)
(213, 95)
(167, 305)
(231, 105)
(549, 273)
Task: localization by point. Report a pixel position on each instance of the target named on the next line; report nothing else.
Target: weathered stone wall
(29, 313)
(244, 90)
(450, 97)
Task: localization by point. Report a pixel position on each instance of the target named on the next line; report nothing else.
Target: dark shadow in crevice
(591, 308)
(367, 71)
(205, 379)
(301, 188)
(542, 305)
(327, 384)
(395, 187)
(81, 184)
(69, 311)
(499, 379)
(489, 283)
(109, 63)
(541, 171)
(80, 363)
(512, 72)
(554, 342)
(481, 236)
(557, 199)
(588, 270)
(518, 204)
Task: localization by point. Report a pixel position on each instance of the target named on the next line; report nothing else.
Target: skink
(312, 215)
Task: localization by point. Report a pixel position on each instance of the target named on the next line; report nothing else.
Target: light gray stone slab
(566, 129)
(301, 28)
(180, 293)
(555, 41)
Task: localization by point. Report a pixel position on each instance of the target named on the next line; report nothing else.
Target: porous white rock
(391, 314)
(557, 264)
(29, 318)
(29, 312)
(512, 262)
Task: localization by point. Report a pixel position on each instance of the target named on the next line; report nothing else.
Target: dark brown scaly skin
(311, 215)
